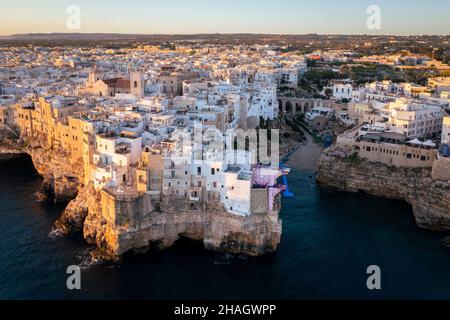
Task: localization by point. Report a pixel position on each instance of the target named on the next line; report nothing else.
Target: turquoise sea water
(328, 242)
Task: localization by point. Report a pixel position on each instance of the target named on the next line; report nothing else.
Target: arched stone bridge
(295, 106)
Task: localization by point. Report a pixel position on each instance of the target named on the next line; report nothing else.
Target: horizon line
(223, 33)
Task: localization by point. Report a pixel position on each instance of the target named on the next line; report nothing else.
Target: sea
(329, 240)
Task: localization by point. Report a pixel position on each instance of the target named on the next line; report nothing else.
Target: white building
(113, 157)
(415, 120)
(288, 76)
(446, 131)
(264, 104)
(318, 112)
(342, 91)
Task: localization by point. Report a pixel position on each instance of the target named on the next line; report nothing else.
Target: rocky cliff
(137, 225)
(61, 177)
(426, 189)
(117, 226)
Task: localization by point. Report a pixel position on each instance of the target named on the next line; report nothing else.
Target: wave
(56, 233)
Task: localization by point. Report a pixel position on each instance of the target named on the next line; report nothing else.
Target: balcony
(196, 199)
(195, 194)
(123, 150)
(154, 192)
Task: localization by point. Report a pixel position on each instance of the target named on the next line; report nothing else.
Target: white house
(446, 131)
(342, 91)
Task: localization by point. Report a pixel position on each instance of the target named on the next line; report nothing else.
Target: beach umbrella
(430, 144)
(415, 141)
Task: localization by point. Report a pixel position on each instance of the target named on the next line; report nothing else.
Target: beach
(306, 157)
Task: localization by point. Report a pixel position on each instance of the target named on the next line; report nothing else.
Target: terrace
(123, 148)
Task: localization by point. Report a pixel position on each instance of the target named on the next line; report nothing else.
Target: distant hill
(290, 42)
(205, 36)
(71, 36)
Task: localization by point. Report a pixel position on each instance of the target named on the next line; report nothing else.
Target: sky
(398, 17)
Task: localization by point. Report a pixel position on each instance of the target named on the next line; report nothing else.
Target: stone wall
(259, 201)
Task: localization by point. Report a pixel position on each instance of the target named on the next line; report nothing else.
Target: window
(199, 171)
(213, 171)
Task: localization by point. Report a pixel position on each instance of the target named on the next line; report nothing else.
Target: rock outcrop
(135, 224)
(61, 179)
(61, 176)
(73, 217)
(426, 189)
(117, 226)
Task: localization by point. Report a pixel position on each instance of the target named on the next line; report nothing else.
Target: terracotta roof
(118, 83)
(110, 82)
(122, 83)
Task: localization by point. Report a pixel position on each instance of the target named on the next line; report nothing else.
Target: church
(97, 84)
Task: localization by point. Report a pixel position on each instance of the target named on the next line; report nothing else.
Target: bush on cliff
(354, 159)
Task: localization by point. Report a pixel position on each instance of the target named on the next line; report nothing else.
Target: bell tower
(94, 76)
(136, 83)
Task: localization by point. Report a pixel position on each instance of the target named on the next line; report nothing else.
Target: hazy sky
(227, 16)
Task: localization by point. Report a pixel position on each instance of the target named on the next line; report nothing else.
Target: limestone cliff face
(117, 226)
(61, 178)
(73, 217)
(427, 189)
(136, 225)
